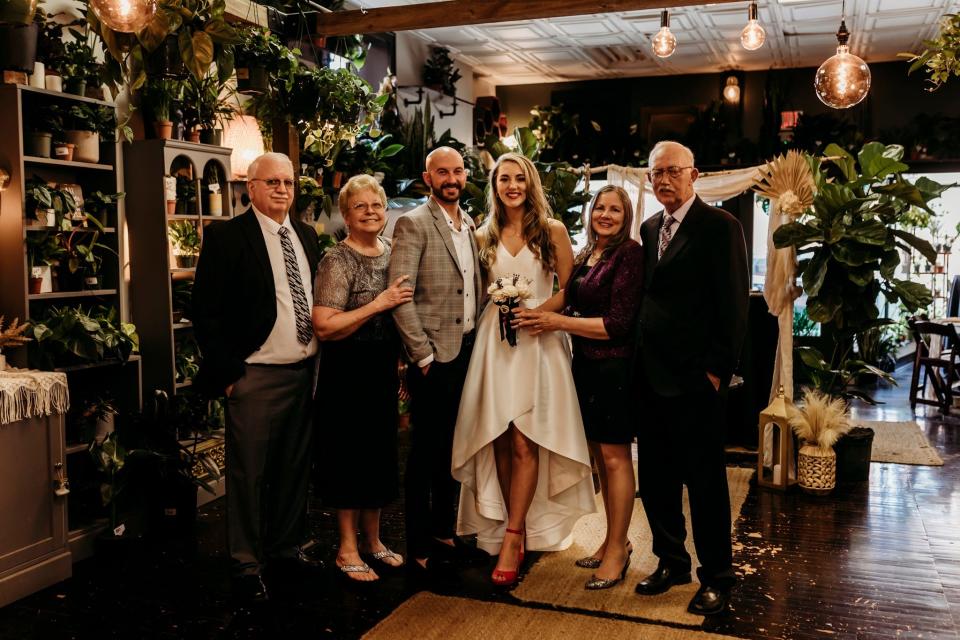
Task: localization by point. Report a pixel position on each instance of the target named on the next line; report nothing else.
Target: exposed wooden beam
(455, 13)
(246, 11)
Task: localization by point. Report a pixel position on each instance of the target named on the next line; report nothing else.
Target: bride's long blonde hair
(536, 231)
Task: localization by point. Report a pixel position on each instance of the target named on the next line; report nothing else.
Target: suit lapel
(254, 234)
(440, 222)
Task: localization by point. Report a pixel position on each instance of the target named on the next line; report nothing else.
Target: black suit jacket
(694, 313)
(234, 300)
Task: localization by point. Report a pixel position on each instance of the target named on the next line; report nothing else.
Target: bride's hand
(536, 322)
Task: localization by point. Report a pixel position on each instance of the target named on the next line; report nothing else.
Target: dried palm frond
(789, 180)
(13, 335)
(821, 420)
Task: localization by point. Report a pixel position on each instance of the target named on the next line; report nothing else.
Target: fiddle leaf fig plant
(849, 243)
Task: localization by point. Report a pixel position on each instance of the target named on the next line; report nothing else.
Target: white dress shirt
(464, 248)
(282, 346)
(678, 216)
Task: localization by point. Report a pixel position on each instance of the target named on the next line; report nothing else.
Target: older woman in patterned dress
(356, 413)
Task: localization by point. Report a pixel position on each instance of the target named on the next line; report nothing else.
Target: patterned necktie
(665, 234)
(300, 308)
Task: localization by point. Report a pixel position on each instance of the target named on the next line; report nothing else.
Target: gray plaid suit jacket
(423, 249)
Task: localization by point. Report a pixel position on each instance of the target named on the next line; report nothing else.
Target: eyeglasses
(673, 172)
(273, 183)
(376, 207)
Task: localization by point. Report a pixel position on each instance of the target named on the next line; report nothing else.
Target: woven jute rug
(556, 580)
(427, 616)
(902, 443)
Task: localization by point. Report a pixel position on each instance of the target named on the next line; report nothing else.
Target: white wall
(411, 54)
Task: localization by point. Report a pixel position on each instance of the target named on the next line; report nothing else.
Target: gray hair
(671, 144)
(272, 155)
(356, 184)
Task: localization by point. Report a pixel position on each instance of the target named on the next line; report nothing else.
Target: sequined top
(347, 279)
(611, 289)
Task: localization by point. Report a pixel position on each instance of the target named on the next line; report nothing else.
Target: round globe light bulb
(843, 80)
(127, 16)
(753, 36)
(731, 92)
(664, 43)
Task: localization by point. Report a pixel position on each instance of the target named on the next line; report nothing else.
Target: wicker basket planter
(817, 470)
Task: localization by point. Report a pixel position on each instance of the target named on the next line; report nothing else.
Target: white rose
(510, 291)
(493, 287)
(789, 203)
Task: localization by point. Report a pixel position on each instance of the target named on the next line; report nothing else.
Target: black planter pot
(18, 46)
(70, 281)
(210, 136)
(76, 86)
(165, 61)
(853, 455)
(252, 79)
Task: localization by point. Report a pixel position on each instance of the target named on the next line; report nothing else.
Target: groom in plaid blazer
(435, 246)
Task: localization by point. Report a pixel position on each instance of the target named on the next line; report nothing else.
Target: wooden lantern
(776, 458)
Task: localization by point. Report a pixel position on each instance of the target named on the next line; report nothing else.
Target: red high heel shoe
(503, 578)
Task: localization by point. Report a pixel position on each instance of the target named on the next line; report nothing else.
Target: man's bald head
(445, 174)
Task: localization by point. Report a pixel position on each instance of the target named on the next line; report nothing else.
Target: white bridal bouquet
(507, 292)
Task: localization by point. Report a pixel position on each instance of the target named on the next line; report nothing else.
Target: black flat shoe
(661, 580)
(709, 601)
(249, 589)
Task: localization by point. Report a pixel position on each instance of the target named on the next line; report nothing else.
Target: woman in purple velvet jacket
(602, 300)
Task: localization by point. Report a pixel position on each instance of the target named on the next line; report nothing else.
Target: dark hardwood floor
(879, 559)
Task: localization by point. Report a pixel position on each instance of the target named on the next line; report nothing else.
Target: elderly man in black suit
(691, 326)
(251, 301)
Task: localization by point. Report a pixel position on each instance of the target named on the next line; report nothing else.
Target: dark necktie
(665, 234)
(300, 308)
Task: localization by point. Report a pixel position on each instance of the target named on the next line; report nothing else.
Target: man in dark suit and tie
(691, 326)
(251, 301)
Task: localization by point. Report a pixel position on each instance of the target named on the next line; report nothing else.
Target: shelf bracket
(409, 103)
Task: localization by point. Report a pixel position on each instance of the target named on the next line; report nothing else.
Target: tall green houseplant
(850, 244)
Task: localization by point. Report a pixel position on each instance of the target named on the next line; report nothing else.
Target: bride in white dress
(519, 448)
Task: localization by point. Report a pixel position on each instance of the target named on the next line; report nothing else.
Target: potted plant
(207, 103)
(45, 120)
(19, 27)
(98, 419)
(170, 193)
(83, 259)
(186, 360)
(79, 64)
(162, 96)
(819, 422)
(253, 56)
(214, 198)
(83, 132)
(102, 206)
(12, 336)
(48, 204)
(44, 252)
(439, 72)
(186, 195)
(70, 335)
(186, 243)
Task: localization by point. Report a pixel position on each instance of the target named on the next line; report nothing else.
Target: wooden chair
(933, 362)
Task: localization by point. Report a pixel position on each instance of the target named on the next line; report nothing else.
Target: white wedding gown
(531, 386)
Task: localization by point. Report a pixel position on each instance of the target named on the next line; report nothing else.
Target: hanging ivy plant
(942, 54)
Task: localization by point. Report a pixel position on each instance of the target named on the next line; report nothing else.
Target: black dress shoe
(709, 601)
(249, 589)
(661, 580)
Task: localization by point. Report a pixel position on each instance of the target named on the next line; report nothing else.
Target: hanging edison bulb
(664, 43)
(753, 36)
(731, 92)
(844, 79)
(129, 16)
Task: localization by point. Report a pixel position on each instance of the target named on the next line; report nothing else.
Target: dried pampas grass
(821, 420)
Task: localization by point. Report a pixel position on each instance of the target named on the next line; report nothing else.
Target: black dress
(356, 401)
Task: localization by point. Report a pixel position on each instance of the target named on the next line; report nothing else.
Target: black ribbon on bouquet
(507, 332)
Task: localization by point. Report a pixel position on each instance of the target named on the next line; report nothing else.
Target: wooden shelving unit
(66, 527)
(154, 272)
